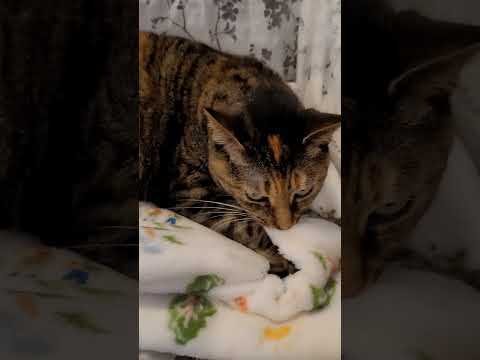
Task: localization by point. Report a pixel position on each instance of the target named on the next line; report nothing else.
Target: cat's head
(272, 159)
(393, 158)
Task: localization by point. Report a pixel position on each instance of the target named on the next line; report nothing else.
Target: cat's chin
(274, 228)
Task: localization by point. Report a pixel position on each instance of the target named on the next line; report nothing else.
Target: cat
(226, 142)
(397, 128)
(68, 136)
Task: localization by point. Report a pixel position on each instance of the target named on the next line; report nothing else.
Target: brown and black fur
(397, 128)
(209, 124)
(68, 136)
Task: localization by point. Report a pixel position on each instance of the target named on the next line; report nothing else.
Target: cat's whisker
(228, 216)
(247, 211)
(256, 218)
(211, 208)
(232, 215)
(217, 210)
(217, 214)
(218, 203)
(246, 218)
(253, 217)
(197, 207)
(222, 212)
(230, 221)
(203, 207)
(239, 221)
(221, 222)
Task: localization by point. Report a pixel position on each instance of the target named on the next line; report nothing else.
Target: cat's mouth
(284, 226)
(276, 226)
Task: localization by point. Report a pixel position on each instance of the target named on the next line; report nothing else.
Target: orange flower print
(277, 333)
(155, 212)
(241, 303)
(149, 232)
(38, 257)
(26, 303)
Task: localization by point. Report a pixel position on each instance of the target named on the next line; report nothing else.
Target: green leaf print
(176, 226)
(322, 297)
(51, 284)
(204, 283)
(322, 259)
(81, 321)
(172, 239)
(159, 226)
(188, 315)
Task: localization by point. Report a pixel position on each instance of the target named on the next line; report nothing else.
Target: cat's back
(186, 67)
(172, 65)
(161, 49)
(65, 98)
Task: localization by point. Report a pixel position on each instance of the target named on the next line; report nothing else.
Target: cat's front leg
(226, 219)
(255, 237)
(250, 234)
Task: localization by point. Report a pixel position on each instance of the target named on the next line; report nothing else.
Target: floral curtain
(300, 39)
(265, 29)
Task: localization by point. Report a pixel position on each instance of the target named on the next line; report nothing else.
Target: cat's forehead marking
(275, 145)
(277, 184)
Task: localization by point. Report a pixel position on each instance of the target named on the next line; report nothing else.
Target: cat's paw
(278, 264)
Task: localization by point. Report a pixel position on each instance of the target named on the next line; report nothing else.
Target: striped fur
(226, 142)
(68, 145)
(398, 128)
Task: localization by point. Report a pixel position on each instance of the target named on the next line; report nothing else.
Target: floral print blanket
(54, 302)
(206, 296)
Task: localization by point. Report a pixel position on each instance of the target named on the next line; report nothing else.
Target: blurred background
(429, 309)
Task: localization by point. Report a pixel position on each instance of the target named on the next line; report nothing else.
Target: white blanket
(54, 304)
(206, 296)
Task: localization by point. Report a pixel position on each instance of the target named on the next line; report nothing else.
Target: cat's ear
(221, 138)
(319, 127)
(419, 38)
(433, 80)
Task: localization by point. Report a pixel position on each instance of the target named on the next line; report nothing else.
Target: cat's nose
(284, 220)
(282, 213)
(285, 226)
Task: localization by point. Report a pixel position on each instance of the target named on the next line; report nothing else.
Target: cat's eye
(304, 192)
(392, 210)
(256, 197)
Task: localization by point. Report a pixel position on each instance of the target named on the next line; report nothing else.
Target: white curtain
(319, 55)
(300, 39)
(318, 78)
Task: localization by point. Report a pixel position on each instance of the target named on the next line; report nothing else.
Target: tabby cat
(397, 129)
(68, 144)
(224, 141)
